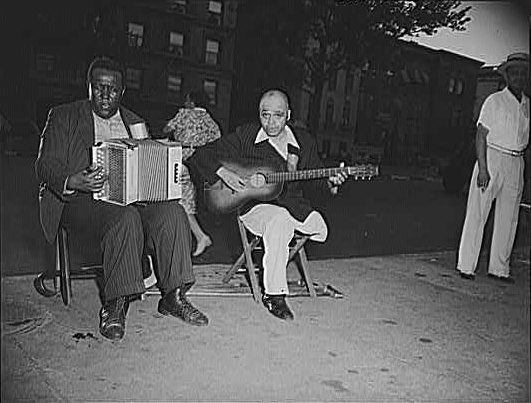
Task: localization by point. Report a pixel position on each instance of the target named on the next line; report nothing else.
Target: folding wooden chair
(297, 254)
(64, 274)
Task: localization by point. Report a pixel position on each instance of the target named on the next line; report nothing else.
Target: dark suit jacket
(240, 147)
(65, 148)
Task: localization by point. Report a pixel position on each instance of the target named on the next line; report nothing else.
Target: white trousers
(506, 186)
(276, 226)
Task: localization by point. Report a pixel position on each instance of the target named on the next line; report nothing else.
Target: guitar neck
(311, 174)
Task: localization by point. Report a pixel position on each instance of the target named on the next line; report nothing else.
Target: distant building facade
(489, 81)
(169, 47)
(423, 106)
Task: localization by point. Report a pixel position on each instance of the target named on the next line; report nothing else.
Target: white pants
(506, 186)
(276, 226)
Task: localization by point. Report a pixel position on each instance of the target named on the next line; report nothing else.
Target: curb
(407, 178)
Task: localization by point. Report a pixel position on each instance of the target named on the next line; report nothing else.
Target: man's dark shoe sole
(112, 319)
(508, 280)
(277, 308)
(113, 332)
(467, 276)
(200, 320)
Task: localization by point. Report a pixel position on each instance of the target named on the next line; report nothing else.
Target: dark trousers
(126, 235)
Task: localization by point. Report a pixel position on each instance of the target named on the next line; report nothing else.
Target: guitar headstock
(363, 171)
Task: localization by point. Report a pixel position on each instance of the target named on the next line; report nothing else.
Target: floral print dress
(192, 127)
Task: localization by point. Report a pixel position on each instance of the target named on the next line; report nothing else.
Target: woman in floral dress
(193, 127)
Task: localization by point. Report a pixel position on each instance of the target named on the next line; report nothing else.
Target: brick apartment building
(169, 47)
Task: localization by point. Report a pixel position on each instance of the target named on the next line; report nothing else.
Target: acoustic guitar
(264, 183)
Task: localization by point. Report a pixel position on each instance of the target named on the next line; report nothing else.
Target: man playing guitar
(273, 143)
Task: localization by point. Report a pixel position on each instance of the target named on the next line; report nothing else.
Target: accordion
(139, 170)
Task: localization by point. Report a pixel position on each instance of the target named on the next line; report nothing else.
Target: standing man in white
(501, 139)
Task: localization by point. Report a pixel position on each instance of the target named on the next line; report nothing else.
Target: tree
(341, 33)
(267, 38)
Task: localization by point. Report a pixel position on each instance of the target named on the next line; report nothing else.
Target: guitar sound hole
(257, 180)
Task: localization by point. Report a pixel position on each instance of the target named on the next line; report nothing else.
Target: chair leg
(41, 288)
(233, 269)
(306, 272)
(238, 264)
(64, 264)
(247, 252)
(298, 251)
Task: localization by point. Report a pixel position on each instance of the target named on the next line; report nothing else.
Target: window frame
(213, 100)
(217, 54)
(168, 84)
(138, 39)
(176, 48)
(214, 17)
(128, 85)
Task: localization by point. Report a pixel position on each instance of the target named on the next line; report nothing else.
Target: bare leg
(203, 241)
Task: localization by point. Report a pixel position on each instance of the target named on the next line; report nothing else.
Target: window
(456, 117)
(211, 88)
(44, 62)
(214, 12)
(459, 89)
(345, 121)
(451, 85)
(174, 83)
(177, 5)
(212, 52)
(176, 43)
(329, 114)
(135, 35)
(133, 78)
(349, 81)
(332, 82)
(425, 77)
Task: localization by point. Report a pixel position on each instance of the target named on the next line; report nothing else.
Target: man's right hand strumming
(231, 179)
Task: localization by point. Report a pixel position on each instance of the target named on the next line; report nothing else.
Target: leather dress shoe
(177, 305)
(276, 304)
(467, 276)
(508, 280)
(112, 318)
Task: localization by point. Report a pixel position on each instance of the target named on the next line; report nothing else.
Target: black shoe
(508, 280)
(176, 304)
(467, 276)
(112, 318)
(276, 304)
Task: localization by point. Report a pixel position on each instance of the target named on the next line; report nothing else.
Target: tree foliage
(336, 34)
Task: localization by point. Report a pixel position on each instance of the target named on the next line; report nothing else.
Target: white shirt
(104, 129)
(506, 119)
(279, 143)
(111, 128)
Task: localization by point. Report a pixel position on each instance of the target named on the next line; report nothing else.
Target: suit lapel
(125, 120)
(86, 123)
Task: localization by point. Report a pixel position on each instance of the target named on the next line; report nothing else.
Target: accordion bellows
(139, 170)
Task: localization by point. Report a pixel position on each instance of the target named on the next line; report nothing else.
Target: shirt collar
(288, 133)
(510, 95)
(113, 118)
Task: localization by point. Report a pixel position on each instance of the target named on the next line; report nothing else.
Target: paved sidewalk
(408, 330)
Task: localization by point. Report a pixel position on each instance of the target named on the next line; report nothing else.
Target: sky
(496, 29)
